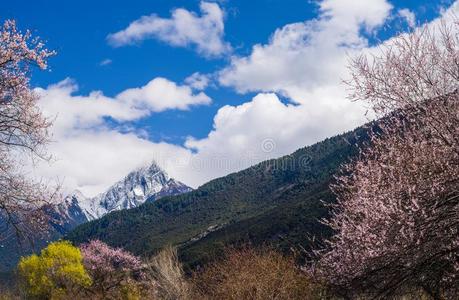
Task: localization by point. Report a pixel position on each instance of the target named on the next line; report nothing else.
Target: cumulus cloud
(198, 81)
(264, 128)
(301, 57)
(184, 28)
(75, 111)
(161, 94)
(89, 111)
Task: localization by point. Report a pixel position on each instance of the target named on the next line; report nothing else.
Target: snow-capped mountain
(144, 184)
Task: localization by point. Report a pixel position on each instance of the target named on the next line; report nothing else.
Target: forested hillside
(277, 201)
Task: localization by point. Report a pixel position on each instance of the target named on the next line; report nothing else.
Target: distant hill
(278, 202)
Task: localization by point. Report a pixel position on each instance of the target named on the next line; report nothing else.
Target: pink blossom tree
(113, 271)
(397, 212)
(23, 129)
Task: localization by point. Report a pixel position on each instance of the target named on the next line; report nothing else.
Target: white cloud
(183, 29)
(347, 16)
(161, 94)
(89, 154)
(409, 17)
(448, 15)
(265, 128)
(88, 111)
(84, 112)
(198, 81)
(302, 57)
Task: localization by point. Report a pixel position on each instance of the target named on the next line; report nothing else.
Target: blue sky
(78, 32)
(282, 91)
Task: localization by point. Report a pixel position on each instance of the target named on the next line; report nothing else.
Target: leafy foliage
(56, 272)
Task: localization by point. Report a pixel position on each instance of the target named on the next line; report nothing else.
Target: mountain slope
(249, 203)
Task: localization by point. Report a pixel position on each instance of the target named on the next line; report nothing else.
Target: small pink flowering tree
(112, 270)
(397, 212)
(23, 128)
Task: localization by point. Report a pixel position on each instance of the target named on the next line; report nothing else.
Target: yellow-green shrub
(55, 273)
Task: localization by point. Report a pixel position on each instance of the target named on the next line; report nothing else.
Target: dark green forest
(278, 203)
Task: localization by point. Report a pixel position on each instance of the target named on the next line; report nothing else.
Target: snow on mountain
(69, 213)
(146, 183)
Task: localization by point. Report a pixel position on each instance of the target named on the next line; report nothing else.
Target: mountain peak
(148, 182)
(77, 194)
(149, 168)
